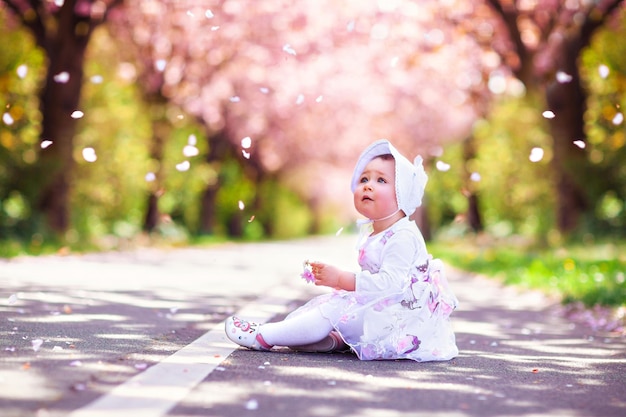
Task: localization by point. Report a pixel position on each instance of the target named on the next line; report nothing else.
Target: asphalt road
(139, 334)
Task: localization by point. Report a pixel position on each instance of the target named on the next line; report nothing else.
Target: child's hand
(325, 275)
(330, 276)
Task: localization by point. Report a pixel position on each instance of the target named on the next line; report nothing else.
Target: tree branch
(595, 19)
(32, 22)
(509, 18)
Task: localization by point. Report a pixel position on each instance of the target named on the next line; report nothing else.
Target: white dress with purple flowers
(401, 306)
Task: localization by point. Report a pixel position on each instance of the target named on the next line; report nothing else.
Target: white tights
(303, 329)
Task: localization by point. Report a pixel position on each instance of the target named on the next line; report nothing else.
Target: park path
(142, 330)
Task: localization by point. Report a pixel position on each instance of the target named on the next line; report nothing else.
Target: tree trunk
(151, 220)
(207, 209)
(315, 227)
(474, 218)
(235, 225)
(66, 53)
(217, 152)
(568, 102)
(160, 131)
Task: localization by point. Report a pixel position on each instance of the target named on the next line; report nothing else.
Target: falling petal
(76, 363)
(214, 28)
(536, 155)
(442, 166)
(97, 79)
(12, 299)
(36, 343)
(141, 366)
(183, 166)
(209, 14)
(245, 154)
(62, 77)
(190, 151)
(475, 176)
(319, 99)
(150, 176)
(235, 99)
(241, 205)
(339, 231)
(160, 65)
(251, 219)
(22, 70)
(246, 142)
(618, 119)
(7, 119)
(287, 48)
(264, 90)
(59, 3)
(89, 154)
(300, 99)
(45, 144)
(57, 349)
(192, 140)
(563, 77)
(581, 144)
(252, 405)
(190, 13)
(604, 71)
(548, 114)
(77, 114)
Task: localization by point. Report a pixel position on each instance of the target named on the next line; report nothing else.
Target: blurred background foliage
(515, 196)
(109, 197)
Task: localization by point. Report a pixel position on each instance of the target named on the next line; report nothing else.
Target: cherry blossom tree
(298, 89)
(540, 43)
(62, 28)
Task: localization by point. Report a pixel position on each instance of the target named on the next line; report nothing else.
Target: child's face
(375, 196)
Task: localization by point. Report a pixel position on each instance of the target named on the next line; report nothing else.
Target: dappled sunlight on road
(73, 327)
(519, 357)
(73, 334)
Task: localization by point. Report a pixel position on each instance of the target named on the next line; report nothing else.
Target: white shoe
(245, 334)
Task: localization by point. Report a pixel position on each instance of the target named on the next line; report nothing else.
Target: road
(139, 334)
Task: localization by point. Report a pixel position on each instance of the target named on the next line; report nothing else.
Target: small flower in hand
(307, 274)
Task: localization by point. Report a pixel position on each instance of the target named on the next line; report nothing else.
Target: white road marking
(159, 388)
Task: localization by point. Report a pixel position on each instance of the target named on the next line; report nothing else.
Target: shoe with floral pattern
(245, 334)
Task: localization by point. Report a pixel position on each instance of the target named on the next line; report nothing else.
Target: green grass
(14, 248)
(593, 274)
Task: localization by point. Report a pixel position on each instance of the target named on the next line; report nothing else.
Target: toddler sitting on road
(398, 305)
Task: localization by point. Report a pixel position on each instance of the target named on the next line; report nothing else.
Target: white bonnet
(410, 177)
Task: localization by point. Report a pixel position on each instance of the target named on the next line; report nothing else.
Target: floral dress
(401, 306)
